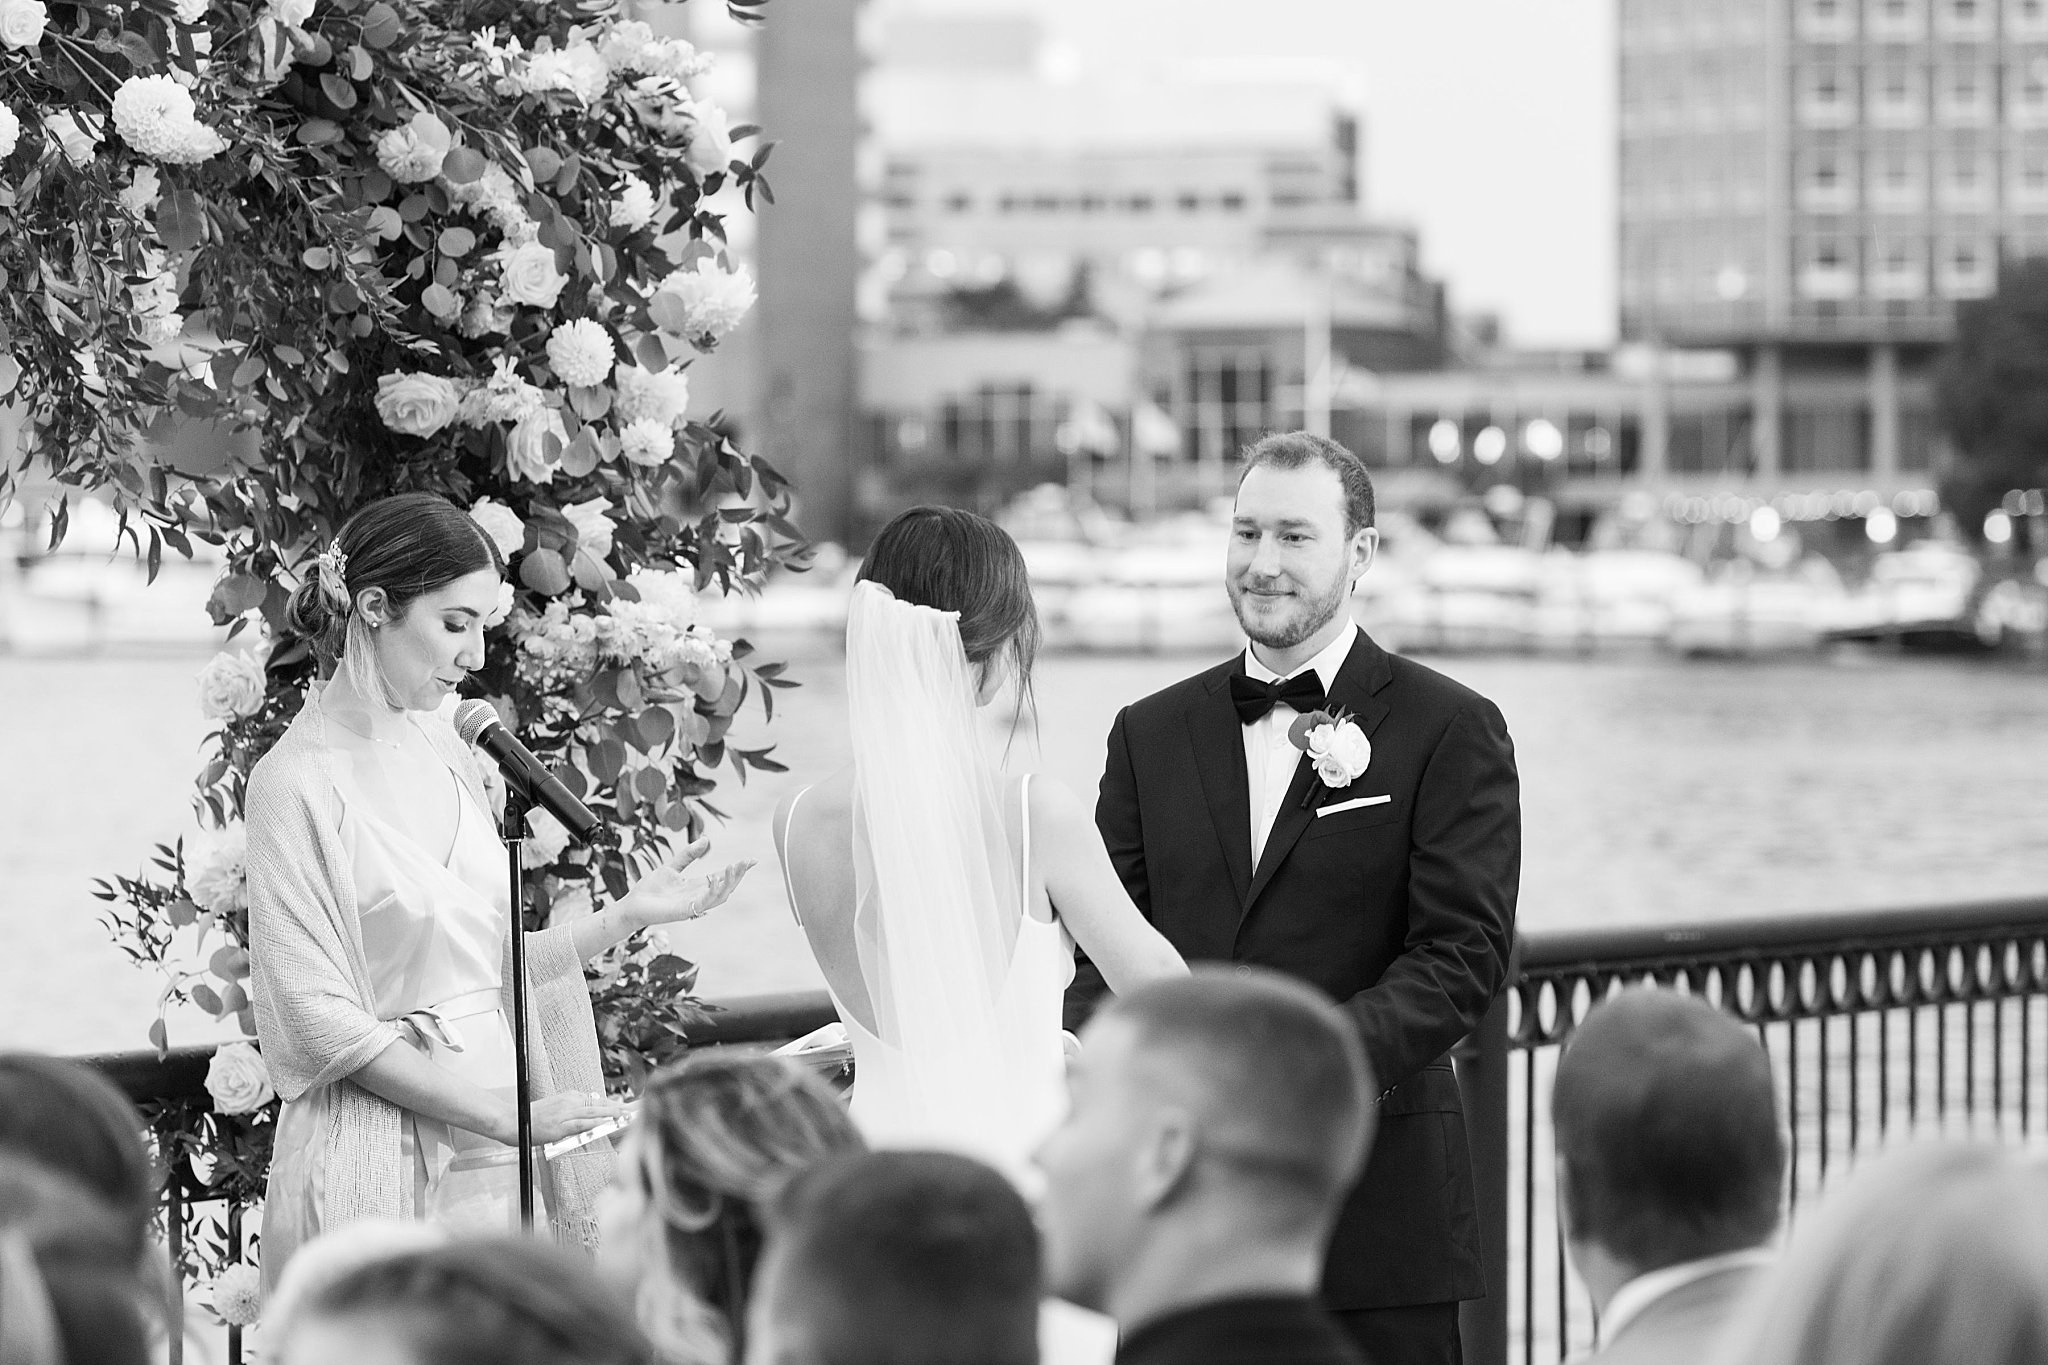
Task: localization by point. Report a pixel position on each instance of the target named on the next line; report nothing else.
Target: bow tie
(1253, 699)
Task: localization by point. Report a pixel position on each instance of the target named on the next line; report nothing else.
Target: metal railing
(1880, 1025)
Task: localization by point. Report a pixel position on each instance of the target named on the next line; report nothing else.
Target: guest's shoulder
(1174, 697)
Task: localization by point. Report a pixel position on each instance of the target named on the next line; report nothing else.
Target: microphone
(477, 722)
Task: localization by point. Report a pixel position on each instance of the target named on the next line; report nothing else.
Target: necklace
(363, 734)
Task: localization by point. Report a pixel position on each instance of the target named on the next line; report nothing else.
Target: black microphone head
(473, 717)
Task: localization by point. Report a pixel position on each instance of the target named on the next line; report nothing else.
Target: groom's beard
(1303, 616)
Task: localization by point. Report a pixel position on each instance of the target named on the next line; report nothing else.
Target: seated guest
(1215, 1126)
(70, 1286)
(72, 1119)
(680, 1225)
(1668, 1165)
(336, 1254)
(1933, 1255)
(898, 1258)
(488, 1301)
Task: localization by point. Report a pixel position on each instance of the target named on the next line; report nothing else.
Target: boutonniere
(1335, 745)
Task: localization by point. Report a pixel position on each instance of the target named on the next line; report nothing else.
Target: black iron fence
(1880, 1025)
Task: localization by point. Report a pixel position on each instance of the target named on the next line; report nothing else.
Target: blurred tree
(1991, 391)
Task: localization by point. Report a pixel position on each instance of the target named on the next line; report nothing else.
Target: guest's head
(490, 1301)
(1217, 1119)
(680, 1227)
(73, 1120)
(898, 1258)
(333, 1256)
(70, 1281)
(1301, 534)
(1667, 1138)
(951, 560)
(399, 598)
(1936, 1254)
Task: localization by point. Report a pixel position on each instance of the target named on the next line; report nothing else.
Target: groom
(1391, 888)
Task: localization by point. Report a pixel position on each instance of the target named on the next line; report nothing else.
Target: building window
(1899, 272)
(2030, 180)
(1828, 188)
(2026, 16)
(1232, 202)
(1189, 202)
(1967, 185)
(1827, 19)
(997, 424)
(1967, 268)
(1827, 97)
(958, 202)
(1229, 400)
(1897, 101)
(1139, 203)
(1894, 18)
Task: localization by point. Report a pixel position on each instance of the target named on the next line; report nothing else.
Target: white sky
(1489, 124)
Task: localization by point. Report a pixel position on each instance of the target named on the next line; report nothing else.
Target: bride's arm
(1086, 892)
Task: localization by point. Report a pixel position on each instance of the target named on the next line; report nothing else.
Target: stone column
(1767, 408)
(1884, 411)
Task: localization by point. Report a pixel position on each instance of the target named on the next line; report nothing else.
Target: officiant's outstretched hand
(665, 894)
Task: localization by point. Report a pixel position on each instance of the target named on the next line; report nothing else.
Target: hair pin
(330, 566)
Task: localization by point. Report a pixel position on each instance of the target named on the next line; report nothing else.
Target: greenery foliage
(462, 246)
(1992, 391)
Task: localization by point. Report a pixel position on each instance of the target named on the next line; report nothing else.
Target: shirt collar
(1634, 1298)
(1325, 664)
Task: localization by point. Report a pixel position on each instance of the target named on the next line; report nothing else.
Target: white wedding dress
(964, 965)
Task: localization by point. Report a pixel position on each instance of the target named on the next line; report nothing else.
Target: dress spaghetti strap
(788, 884)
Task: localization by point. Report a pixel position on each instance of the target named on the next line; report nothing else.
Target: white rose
(231, 686)
(10, 131)
(238, 1080)
(710, 148)
(581, 352)
(530, 275)
(414, 151)
(593, 528)
(416, 404)
(80, 142)
(571, 904)
(502, 608)
(647, 442)
(649, 395)
(634, 208)
(22, 22)
(1349, 746)
(217, 878)
(501, 524)
(238, 1293)
(191, 11)
(526, 445)
(290, 13)
(546, 838)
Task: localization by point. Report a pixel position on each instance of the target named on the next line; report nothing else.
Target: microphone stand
(514, 833)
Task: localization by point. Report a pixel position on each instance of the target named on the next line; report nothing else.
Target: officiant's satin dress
(434, 935)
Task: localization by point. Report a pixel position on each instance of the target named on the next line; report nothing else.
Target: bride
(942, 898)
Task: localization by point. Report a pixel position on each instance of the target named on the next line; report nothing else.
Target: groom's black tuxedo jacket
(1402, 911)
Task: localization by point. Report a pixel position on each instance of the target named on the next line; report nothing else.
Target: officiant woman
(379, 915)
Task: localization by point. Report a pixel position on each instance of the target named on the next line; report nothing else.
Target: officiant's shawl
(315, 1006)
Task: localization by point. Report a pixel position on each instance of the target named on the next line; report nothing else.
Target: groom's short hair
(1273, 1070)
(1296, 449)
(901, 1258)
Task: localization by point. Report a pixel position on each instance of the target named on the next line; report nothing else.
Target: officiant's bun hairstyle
(407, 544)
(955, 561)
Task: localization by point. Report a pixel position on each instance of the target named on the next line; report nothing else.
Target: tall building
(1813, 184)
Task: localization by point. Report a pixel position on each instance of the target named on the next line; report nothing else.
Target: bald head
(1667, 1131)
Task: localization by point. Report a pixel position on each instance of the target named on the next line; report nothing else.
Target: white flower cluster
(10, 133)
(144, 189)
(238, 1293)
(581, 352)
(190, 12)
(576, 68)
(703, 302)
(647, 442)
(155, 115)
(594, 526)
(501, 524)
(635, 206)
(658, 396)
(494, 195)
(217, 878)
(558, 648)
(631, 46)
(661, 628)
(156, 302)
(413, 151)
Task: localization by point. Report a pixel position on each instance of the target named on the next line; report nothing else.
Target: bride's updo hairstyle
(407, 544)
(956, 561)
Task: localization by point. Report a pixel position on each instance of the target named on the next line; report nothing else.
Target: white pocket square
(1321, 811)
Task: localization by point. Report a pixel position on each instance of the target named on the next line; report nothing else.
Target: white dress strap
(788, 884)
(1024, 843)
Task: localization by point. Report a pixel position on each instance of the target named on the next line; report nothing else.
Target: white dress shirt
(1632, 1299)
(1270, 757)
